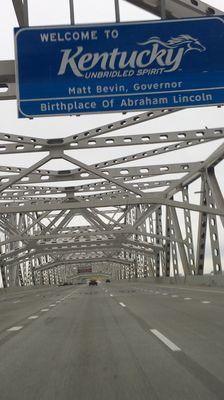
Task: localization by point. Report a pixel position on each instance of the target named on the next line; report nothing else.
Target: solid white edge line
(165, 340)
(14, 328)
(122, 304)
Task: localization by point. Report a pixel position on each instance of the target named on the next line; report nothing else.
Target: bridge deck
(117, 341)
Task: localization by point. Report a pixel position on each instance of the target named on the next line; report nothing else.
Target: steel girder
(177, 8)
(132, 220)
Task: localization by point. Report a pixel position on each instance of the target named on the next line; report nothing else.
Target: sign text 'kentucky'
(120, 67)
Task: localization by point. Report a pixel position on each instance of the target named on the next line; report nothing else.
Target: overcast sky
(57, 12)
(50, 12)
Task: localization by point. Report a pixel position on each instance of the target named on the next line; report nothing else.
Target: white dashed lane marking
(33, 317)
(122, 304)
(14, 328)
(174, 295)
(206, 302)
(165, 340)
(187, 298)
(111, 295)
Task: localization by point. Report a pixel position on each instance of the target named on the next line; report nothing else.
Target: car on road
(93, 282)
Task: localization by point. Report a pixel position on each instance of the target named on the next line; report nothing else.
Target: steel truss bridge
(139, 222)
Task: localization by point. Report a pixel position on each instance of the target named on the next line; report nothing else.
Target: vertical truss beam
(3, 274)
(188, 229)
(213, 229)
(157, 258)
(21, 10)
(178, 234)
(216, 191)
(202, 230)
(167, 244)
(173, 245)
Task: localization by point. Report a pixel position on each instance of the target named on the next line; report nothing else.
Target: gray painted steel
(133, 226)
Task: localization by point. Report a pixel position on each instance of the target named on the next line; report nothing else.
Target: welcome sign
(120, 67)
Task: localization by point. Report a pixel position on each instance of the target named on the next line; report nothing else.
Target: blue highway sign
(120, 67)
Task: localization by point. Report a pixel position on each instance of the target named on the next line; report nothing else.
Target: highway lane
(116, 341)
(193, 317)
(17, 305)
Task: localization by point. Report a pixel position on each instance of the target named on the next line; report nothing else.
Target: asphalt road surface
(117, 341)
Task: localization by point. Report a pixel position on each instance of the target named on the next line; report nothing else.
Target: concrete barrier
(12, 290)
(202, 280)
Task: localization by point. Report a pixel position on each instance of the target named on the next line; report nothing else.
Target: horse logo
(171, 53)
(186, 41)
